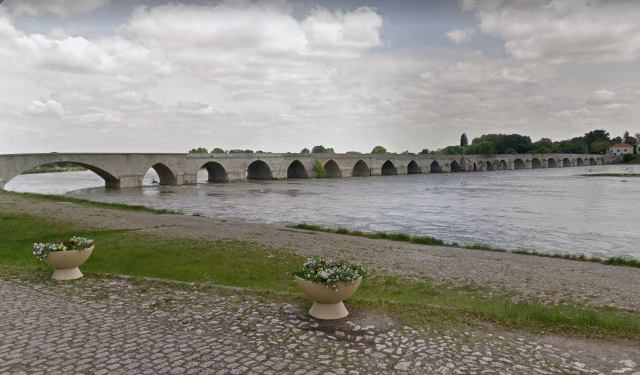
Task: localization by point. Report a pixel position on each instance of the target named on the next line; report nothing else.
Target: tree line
(594, 142)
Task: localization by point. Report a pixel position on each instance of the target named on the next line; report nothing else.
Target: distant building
(620, 149)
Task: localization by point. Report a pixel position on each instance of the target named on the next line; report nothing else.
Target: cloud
(563, 31)
(458, 36)
(580, 112)
(341, 34)
(45, 107)
(62, 53)
(61, 8)
(254, 44)
(602, 96)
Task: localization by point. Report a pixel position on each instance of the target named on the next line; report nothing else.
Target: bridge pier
(190, 178)
(125, 182)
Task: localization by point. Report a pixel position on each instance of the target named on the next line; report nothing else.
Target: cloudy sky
(277, 75)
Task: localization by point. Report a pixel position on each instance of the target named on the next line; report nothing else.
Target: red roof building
(620, 149)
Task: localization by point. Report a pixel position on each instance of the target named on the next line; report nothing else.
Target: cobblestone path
(116, 326)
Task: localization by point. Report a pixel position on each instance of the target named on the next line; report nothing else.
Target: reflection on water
(548, 210)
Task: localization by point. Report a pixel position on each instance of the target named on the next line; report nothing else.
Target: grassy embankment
(612, 175)
(265, 270)
(424, 240)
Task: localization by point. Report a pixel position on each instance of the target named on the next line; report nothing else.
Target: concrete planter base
(66, 263)
(328, 302)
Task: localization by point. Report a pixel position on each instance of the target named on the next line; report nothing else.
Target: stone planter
(328, 302)
(66, 263)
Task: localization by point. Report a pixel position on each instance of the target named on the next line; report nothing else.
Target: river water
(547, 210)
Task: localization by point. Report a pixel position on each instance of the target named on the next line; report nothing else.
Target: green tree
(217, 150)
(424, 151)
(596, 135)
(353, 153)
(304, 151)
(319, 169)
(500, 143)
(632, 141)
(599, 147)
(572, 146)
(318, 150)
(451, 150)
(379, 150)
(199, 150)
(509, 151)
(238, 151)
(481, 148)
(464, 141)
(543, 146)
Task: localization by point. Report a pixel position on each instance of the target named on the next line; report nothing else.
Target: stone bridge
(128, 170)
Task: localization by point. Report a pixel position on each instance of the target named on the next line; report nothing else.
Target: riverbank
(546, 279)
(480, 275)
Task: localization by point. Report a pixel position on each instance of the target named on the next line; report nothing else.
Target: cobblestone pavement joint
(116, 326)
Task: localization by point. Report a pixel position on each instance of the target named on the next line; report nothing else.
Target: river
(547, 210)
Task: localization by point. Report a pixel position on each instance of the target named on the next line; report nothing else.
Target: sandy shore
(551, 280)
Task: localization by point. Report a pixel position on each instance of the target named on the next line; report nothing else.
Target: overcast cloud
(150, 76)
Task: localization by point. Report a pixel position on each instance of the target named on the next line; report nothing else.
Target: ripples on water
(548, 210)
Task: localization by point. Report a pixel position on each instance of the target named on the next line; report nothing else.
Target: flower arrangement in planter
(65, 256)
(328, 283)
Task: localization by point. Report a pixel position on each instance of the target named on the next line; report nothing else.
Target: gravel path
(114, 325)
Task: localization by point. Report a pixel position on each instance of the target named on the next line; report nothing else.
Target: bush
(628, 157)
(319, 170)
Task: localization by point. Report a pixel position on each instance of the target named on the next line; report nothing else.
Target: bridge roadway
(128, 169)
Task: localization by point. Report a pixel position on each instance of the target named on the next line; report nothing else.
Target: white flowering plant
(41, 250)
(329, 272)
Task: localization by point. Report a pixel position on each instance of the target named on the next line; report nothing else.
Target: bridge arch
(435, 167)
(518, 164)
(592, 161)
(215, 172)
(333, 169)
(297, 170)
(455, 166)
(165, 174)
(475, 167)
(579, 162)
(388, 169)
(536, 163)
(566, 162)
(110, 181)
(413, 168)
(259, 170)
(503, 165)
(489, 166)
(551, 163)
(361, 169)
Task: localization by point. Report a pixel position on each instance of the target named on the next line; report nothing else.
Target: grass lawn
(249, 265)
